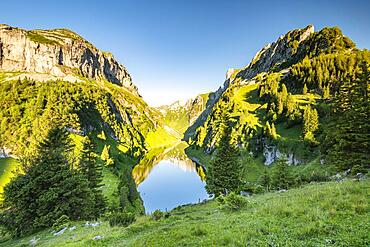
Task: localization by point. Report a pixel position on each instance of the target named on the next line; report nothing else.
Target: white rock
(33, 241)
(60, 232)
(97, 237)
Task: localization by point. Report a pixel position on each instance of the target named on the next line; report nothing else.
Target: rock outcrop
(58, 54)
(272, 153)
(276, 53)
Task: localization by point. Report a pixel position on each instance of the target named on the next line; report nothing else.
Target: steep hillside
(268, 100)
(50, 77)
(180, 116)
(319, 218)
(58, 54)
(57, 73)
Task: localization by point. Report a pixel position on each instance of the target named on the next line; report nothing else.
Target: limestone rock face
(276, 53)
(59, 53)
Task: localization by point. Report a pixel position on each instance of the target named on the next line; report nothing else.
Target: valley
(278, 155)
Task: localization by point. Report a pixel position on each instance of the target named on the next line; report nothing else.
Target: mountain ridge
(61, 53)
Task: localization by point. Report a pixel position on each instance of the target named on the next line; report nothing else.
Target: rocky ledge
(59, 53)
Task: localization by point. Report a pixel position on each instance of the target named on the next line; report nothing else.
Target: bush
(61, 222)
(358, 169)
(121, 219)
(157, 214)
(253, 188)
(199, 231)
(232, 202)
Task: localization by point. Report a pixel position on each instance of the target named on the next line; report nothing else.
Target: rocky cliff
(180, 115)
(58, 54)
(252, 112)
(272, 55)
(275, 54)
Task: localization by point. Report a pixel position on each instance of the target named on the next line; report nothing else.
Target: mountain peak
(277, 52)
(58, 54)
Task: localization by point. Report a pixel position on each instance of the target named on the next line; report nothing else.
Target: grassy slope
(327, 214)
(7, 166)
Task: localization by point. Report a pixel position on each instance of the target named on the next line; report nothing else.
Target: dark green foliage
(157, 214)
(61, 222)
(310, 123)
(232, 202)
(27, 108)
(270, 130)
(93, 172)
(223, 175)
(265, 180)
(49, 189)
(123, 219)
(128, 197)
(327, 40)
(326, 73)
(281, 177)
(347, 141)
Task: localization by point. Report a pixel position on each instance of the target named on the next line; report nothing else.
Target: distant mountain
(303, 68)
(180, 115)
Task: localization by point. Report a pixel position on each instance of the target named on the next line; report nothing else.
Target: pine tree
(284, 92)
(326, 94)
(268, 129)
(223, 174)
(290, 105)
(280, 105)
(305, 90)
(281, 177)
(49, 189)
(93, 172)
(310, 123)
(265, 180)
(348, 138)
(106, 157)
(102, 135)
(273, 133)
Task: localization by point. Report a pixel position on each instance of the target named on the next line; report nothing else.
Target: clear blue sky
(177, 49)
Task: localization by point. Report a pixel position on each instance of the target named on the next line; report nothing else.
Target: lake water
(169, 179)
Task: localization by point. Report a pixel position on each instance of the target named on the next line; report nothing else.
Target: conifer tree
(223, 174)
(265, 180)
(93, 172)
(348, 137)
(281, 177)
(305, 90)
(106, 157)
(326, 93)
(310, 123)
(290, 105)
(284, 92)
(49, 189)
(273, 133)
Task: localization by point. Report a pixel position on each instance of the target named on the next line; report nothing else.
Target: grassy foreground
(325, 214)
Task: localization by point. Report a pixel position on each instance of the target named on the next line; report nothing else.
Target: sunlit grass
(323, 214)
(7, 167)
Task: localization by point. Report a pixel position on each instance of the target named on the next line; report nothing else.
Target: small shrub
(121, 219)
(61, 222)
(157, 214)
(199, 231)
(232, 202)
(358, 169)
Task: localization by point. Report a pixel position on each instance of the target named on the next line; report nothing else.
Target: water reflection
(166, 178)
(174, 154)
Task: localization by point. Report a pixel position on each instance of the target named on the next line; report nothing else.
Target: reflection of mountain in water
(175, 154)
